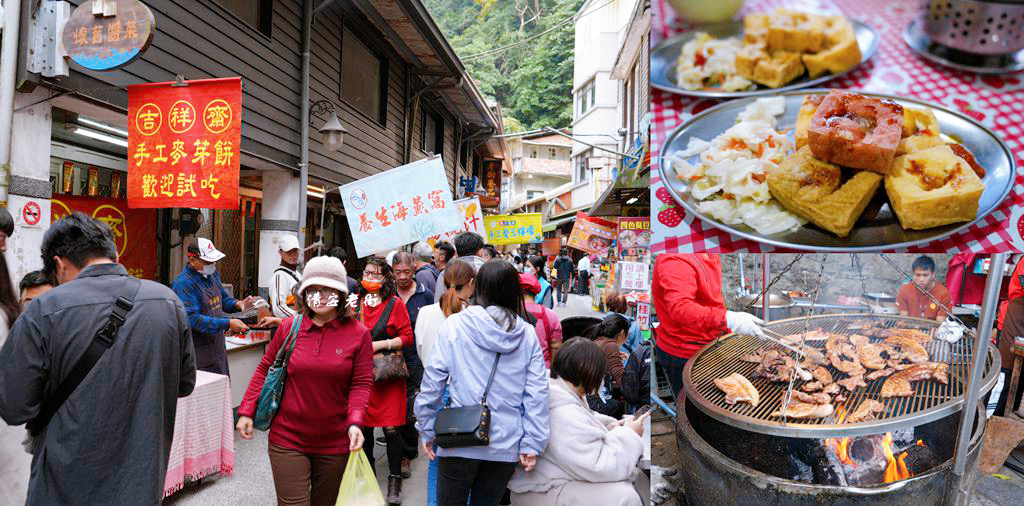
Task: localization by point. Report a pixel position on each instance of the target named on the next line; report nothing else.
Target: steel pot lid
(880, 297)
(774, 300)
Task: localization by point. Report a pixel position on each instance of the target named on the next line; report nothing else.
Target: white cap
(207, 252)
(287, 243)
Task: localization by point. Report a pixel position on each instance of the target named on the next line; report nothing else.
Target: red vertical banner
(492, 179)
(134, 229)
(184, 144)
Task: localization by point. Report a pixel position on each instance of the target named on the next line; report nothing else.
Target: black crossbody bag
(466, 425)
(103, 340)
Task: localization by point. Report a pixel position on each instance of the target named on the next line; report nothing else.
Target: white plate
(877, 228)
(663, 61)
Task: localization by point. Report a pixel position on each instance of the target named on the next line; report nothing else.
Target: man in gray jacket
(110, 440)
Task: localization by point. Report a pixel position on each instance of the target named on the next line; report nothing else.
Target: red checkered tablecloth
(995, 101)
(204, 433)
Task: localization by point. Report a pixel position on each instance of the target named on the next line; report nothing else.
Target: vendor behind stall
(687, 293)
(915, 304)
(205, 299)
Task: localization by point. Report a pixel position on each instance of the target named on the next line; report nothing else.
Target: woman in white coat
(590, 456)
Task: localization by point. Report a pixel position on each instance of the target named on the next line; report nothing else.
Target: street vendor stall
(830, 408)
(204, 433)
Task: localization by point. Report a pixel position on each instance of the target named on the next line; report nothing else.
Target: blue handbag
(273, 385)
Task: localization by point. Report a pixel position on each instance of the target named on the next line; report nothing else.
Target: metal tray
(664, 56)
(931, 401)
(877, 229)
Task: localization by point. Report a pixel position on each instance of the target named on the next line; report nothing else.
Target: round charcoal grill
(931, 400)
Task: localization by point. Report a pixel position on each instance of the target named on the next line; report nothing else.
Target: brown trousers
(306, 479)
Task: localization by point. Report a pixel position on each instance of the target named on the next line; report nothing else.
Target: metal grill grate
(932, 400)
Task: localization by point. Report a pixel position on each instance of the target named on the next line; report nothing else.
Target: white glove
(950, 331)
(744, 323)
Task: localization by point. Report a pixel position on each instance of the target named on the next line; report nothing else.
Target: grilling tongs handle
(768, 335)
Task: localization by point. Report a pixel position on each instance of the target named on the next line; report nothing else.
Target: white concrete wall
(30, 158)
(280, 202)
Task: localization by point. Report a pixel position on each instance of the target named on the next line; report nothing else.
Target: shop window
(255, 13)
(363, 78)
(581, 166)
(432, 133)
(585, 98)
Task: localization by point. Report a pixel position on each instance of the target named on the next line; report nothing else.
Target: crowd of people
(420, 332)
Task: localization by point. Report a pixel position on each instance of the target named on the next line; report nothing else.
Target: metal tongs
(778, 340)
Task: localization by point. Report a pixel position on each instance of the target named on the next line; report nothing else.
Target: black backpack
(636, 378)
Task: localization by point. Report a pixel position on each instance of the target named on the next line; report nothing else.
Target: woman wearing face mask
(491, 335)
(535, 265)
(379, 300)
(326, 393)
(458, 288)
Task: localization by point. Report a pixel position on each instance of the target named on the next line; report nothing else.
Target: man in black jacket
(110, 440)
(564, 270)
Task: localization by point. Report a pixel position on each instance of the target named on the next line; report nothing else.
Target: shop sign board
(400, 206)
(643, 315)
(108, 34)
(472, 221)
(523, 228)
(134, 229)
(592, 235)
(551, 246)
(633, 241)
(634, 275)
(184, 144)
(492, 179)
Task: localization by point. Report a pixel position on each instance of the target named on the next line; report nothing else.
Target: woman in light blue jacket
(466, 348)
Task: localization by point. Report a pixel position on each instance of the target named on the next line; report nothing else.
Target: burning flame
(841, 446)
(895, 470)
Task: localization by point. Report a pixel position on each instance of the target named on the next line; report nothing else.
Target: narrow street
(252, 482)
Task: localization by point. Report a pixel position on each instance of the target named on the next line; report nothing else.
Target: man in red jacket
(688, 300)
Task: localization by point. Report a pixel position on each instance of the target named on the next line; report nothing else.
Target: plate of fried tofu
(864, 172)
(763, 54)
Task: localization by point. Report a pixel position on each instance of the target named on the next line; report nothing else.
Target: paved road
(252, 484)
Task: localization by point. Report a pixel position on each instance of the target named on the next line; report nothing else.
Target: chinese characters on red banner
(183, 144)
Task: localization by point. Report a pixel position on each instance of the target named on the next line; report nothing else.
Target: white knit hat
(324, 271)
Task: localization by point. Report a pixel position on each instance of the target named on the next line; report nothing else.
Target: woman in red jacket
(687, 295)
(323, 407)
(379, 297)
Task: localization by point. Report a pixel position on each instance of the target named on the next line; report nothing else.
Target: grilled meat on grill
(899, 384)
(738, 388)
(879, 373)
(821, 374)
(866, 411)
(775, 366)
(909, 347)
(851, 383)
(921, 337)
(812, 386)
(818, 398)
(798, 409)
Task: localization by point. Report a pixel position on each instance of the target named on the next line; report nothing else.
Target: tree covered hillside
(518, 51)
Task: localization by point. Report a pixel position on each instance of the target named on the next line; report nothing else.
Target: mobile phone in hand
(646, 408)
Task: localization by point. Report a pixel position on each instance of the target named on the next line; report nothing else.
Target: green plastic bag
(359, 484)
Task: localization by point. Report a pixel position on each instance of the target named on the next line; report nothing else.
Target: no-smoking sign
(31, 213)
